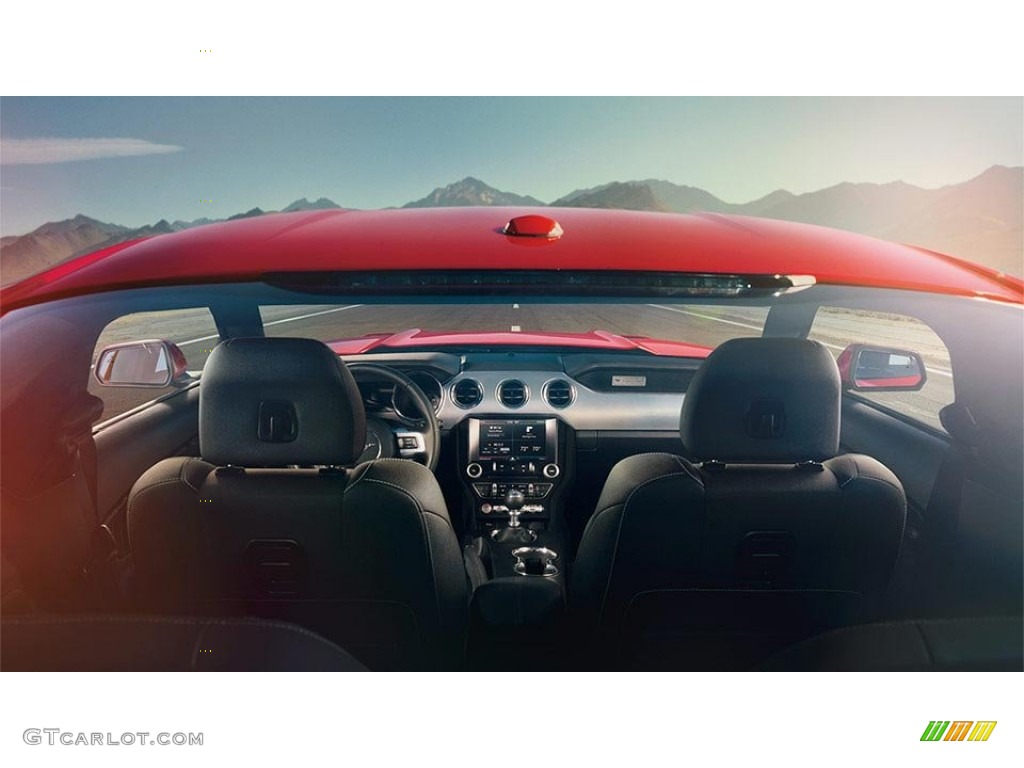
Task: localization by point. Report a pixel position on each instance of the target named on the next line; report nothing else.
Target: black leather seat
(366, 557)
(165, 644)
(989, 644)
(772, 538)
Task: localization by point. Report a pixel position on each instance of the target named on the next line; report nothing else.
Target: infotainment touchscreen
(513, 439)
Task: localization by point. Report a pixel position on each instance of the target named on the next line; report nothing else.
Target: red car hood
(414, 337)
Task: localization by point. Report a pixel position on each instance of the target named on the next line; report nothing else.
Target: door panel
(962, 552)
(127, 448)
(987, 557)
(914, 454)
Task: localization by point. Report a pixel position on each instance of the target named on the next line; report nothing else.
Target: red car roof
(472, 238)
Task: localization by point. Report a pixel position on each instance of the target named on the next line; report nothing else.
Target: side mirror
(864, 368)
(151, 363)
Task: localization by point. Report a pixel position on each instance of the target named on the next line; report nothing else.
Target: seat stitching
(872, 480)
(653, 453)
(927, 647)
(610, 506)
(359, 479)
(594, 517)
(422, 509)
(897, 488)
(134, 497)
(433, 570)
(184, 479)
(688, 468)
(854, 476)
(197, 644)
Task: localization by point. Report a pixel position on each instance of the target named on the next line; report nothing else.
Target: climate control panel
(500, 489)
(478, 469)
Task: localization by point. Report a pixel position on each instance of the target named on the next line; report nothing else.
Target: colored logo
(958, 730)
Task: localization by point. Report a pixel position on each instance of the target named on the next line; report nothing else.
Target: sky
(133, 161)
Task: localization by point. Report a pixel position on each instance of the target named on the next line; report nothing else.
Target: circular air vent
(559, 393)
(513, 393)
(467, 393)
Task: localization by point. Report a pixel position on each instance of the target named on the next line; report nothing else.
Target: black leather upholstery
(716, 566)
(366, 556)
(745, 384)
(989, 644)
(244, 379)
(70, 643)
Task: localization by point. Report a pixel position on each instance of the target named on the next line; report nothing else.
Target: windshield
(572, 324)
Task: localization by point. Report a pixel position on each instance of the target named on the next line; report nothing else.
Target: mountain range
(470, 191)
(981, 219)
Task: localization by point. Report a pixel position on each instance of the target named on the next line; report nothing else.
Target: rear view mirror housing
(866, 368)
(151, 363)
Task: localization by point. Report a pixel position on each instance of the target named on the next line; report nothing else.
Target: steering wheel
(421, 436)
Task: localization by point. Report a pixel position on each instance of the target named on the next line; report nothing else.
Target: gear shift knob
(515, 534)
(514, 500)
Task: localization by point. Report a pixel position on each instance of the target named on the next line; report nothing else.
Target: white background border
(539, 48)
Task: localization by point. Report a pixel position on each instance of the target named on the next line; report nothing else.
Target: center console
(512, 455)
(514, 476)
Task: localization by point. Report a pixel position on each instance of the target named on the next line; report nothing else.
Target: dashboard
(584, 391)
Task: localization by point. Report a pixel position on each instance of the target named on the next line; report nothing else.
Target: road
(194, 332)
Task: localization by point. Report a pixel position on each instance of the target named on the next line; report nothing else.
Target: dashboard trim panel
(656, 411)
(590, 409)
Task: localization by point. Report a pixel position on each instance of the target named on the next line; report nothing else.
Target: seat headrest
(763, 400)
(271, 402)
